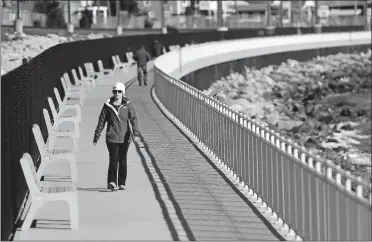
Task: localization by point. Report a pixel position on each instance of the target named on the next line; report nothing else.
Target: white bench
(54, 132)
(82, 82)
(58, 119)
(117, 64)
(62, 107)
(49, 156)
(68, 101)
(78, 87)
(92, 73)
(41, 194)
(88, 79)
(72, 94)
(109, 72)
(124, 64)
(130, 59)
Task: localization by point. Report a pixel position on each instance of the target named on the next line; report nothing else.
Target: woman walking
(119, 113)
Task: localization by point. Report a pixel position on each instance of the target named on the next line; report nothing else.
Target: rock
(361, 113)
(332, 140)
(301, 89)
(309, 97)
(347, 127)
(345, 112)
(273, 118)
(288, 124)
(311, 142)
(309, 109)
(305, 129)
(324, 117)
(237, 107)
(242, 102)
(296, 107)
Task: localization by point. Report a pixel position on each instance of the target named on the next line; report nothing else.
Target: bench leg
(30, 215)
(74, 212)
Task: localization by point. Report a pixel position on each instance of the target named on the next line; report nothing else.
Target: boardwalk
(173, 191)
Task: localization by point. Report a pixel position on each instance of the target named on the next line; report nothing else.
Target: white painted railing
(309, 196)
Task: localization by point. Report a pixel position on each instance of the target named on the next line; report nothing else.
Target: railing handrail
(166, 66)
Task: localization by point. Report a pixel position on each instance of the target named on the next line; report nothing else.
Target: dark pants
(142, 72)
(118, 160)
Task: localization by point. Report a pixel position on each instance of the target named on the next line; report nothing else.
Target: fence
(33, 82)
(319, 200)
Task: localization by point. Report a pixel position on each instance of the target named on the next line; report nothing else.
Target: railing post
(281, 13)
(119, 29)
(317, 26)
(99, 13)
(18, 25)
(70, 27)
(269, 25)
(300, 12)
(219, 14)
(365, 10)
(162, 17)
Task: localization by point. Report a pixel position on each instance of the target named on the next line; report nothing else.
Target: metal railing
(318, 199)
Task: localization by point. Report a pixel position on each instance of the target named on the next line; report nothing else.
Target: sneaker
(112, 186)
(122, 187)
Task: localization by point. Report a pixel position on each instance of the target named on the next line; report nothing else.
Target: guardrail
(313, 196)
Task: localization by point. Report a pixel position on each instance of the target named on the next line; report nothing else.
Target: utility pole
(99, 13)
(69, 11)
(18, 11)
(268, 13)
(365, 11)
(281, 13)
(316, 12)
(18, 24)
(162, 15)
(317, 26)
(300, 11)
(117, 13)
(219, 14)
(119, 28)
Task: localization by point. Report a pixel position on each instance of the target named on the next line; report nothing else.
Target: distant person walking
(157, 49)
(142, 57)
(118, 112)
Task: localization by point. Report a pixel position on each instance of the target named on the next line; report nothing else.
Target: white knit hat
(119, 86)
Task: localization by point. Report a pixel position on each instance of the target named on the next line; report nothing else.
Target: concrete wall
(264, 50)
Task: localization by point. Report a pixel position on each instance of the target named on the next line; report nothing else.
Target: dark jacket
(117, 121)
(142, 57)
